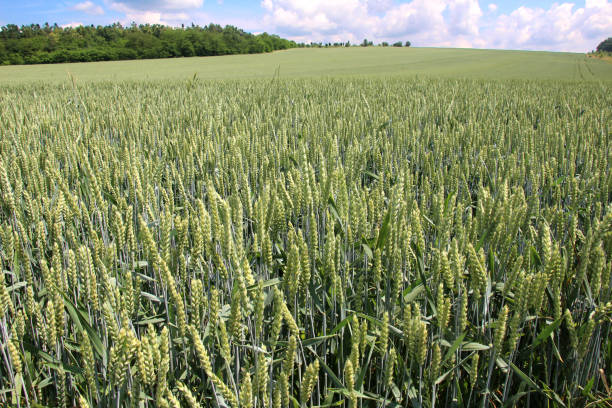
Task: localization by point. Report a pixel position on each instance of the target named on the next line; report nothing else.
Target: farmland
(420, 234)
(354, 61)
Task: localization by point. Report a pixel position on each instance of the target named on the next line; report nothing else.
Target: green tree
(605, 45)
(33, 44)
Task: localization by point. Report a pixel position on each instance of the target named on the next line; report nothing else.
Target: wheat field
(328, 242)
(330, 63)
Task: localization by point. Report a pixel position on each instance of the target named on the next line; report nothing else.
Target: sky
(501, 24)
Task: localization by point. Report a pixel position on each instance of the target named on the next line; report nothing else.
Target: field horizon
(328, 62)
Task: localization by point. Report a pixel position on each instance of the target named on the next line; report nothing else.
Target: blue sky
(507, 24)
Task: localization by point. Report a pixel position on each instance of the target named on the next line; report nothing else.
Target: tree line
(365, 43)
(605, 45)
(36, 44)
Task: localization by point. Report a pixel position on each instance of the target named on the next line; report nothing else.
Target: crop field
(337, 241)
(333, 62)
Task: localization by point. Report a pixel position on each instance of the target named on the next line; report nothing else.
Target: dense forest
(35, 44)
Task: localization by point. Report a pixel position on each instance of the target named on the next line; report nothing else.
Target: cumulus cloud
(419, 17)
(378, 6)
(561, 27)
(464, 16)
(458, 23)
(72, 24)
(430, 22)
(318, 19)
(167, 12)
(145, 5)
(88, 7)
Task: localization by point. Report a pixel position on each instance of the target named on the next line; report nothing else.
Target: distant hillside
(35, 44)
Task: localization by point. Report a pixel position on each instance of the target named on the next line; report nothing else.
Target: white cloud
(457, 23)
(561, 27)
(73, 25)
(147, 5)
(166, 12)
(379, 6)
(88, 7)
(464, 16)
(424, 22)
(318, 19)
